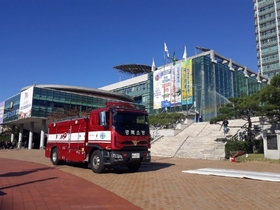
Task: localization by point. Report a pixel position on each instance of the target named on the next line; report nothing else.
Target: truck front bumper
(123, 157)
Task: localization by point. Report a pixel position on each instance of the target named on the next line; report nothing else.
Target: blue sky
(78, 42)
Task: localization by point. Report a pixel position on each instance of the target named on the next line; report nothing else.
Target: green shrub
(166, 119)
(236, 146)
(259, 146)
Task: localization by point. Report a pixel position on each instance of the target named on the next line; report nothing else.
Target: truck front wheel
(54, 157)
(96, 162)
(134, 166)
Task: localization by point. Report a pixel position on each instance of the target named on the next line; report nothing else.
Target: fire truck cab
(117, 134)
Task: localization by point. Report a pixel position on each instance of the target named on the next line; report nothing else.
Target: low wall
(170, 132)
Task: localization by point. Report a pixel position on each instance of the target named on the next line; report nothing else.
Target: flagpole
(164, 61)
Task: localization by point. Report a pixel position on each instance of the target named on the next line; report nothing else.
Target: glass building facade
(213, 80)
(200, 84)
(46, 100)
(267, 18)
(29, 109)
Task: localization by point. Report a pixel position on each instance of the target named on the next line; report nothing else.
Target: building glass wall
(212, 86)
(241, 85)
(46, 101)
(266, 15)
(213, 83)
(139, 92)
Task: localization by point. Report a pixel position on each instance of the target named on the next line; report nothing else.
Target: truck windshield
(124, 121)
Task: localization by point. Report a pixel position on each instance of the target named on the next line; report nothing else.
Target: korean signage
(173, 85)
(25, 106)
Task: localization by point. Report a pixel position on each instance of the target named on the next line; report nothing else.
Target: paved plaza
(29, 181)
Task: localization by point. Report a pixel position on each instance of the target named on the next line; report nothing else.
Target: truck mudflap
(124, 157)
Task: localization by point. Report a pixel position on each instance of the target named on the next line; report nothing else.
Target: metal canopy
(134, 69)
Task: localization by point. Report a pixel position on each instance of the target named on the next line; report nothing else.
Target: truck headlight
(117, 156)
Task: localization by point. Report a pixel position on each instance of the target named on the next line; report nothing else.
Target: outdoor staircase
(199, 140)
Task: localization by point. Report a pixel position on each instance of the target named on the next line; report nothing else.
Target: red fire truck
(117, 134)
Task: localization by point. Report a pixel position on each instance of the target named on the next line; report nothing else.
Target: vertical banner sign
(2, 105)
(176, 85)
(25, 105)
(166, 86)
(187, 85)
(157, 89)
(184, 82)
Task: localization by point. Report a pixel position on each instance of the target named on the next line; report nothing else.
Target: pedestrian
(197, 116)
(6, 145)
(225, 125)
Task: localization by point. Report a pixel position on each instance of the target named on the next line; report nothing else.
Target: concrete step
(199, 140)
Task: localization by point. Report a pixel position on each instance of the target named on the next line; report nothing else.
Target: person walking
(225, 125)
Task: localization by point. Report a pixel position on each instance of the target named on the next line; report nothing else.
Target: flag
(153, 66)
(166, 49)
(185, 54)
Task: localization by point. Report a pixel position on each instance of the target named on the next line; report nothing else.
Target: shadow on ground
(145, 167)
(21, 173)
(25, 183)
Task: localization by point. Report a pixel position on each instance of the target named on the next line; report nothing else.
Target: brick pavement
(159, 185)
(28, 186)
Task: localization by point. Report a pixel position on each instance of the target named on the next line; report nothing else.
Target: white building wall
(126, 83)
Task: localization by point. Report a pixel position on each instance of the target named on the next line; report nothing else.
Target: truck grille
(131, 142)
(133, 148)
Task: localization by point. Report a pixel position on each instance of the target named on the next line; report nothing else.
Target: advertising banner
(162, 87)
(166, 86)
(157, 94)
(187, 84)
(2, 105)
(25, 105)
(176, 85)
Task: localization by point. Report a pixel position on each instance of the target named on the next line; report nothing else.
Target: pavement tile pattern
(27, 186)
(33, 183)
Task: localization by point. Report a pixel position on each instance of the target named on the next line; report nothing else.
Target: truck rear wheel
(54, 157)
(134, 166)
(96, 162)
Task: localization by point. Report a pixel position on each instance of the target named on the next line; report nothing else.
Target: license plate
(135, 155)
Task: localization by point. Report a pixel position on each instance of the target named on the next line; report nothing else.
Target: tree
(269, 99)
(265, 102)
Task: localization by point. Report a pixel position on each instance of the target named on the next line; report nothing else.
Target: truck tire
(134, 166)
(54, 157)
(96, 162)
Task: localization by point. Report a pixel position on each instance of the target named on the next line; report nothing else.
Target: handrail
(246, 129)
(180, 146)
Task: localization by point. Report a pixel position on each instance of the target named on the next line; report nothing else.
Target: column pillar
(42, 135)
(30, 141)
(20, 135)
(13, 134)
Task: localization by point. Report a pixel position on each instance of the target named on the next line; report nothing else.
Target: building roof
(85, 91)
(135, 69)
